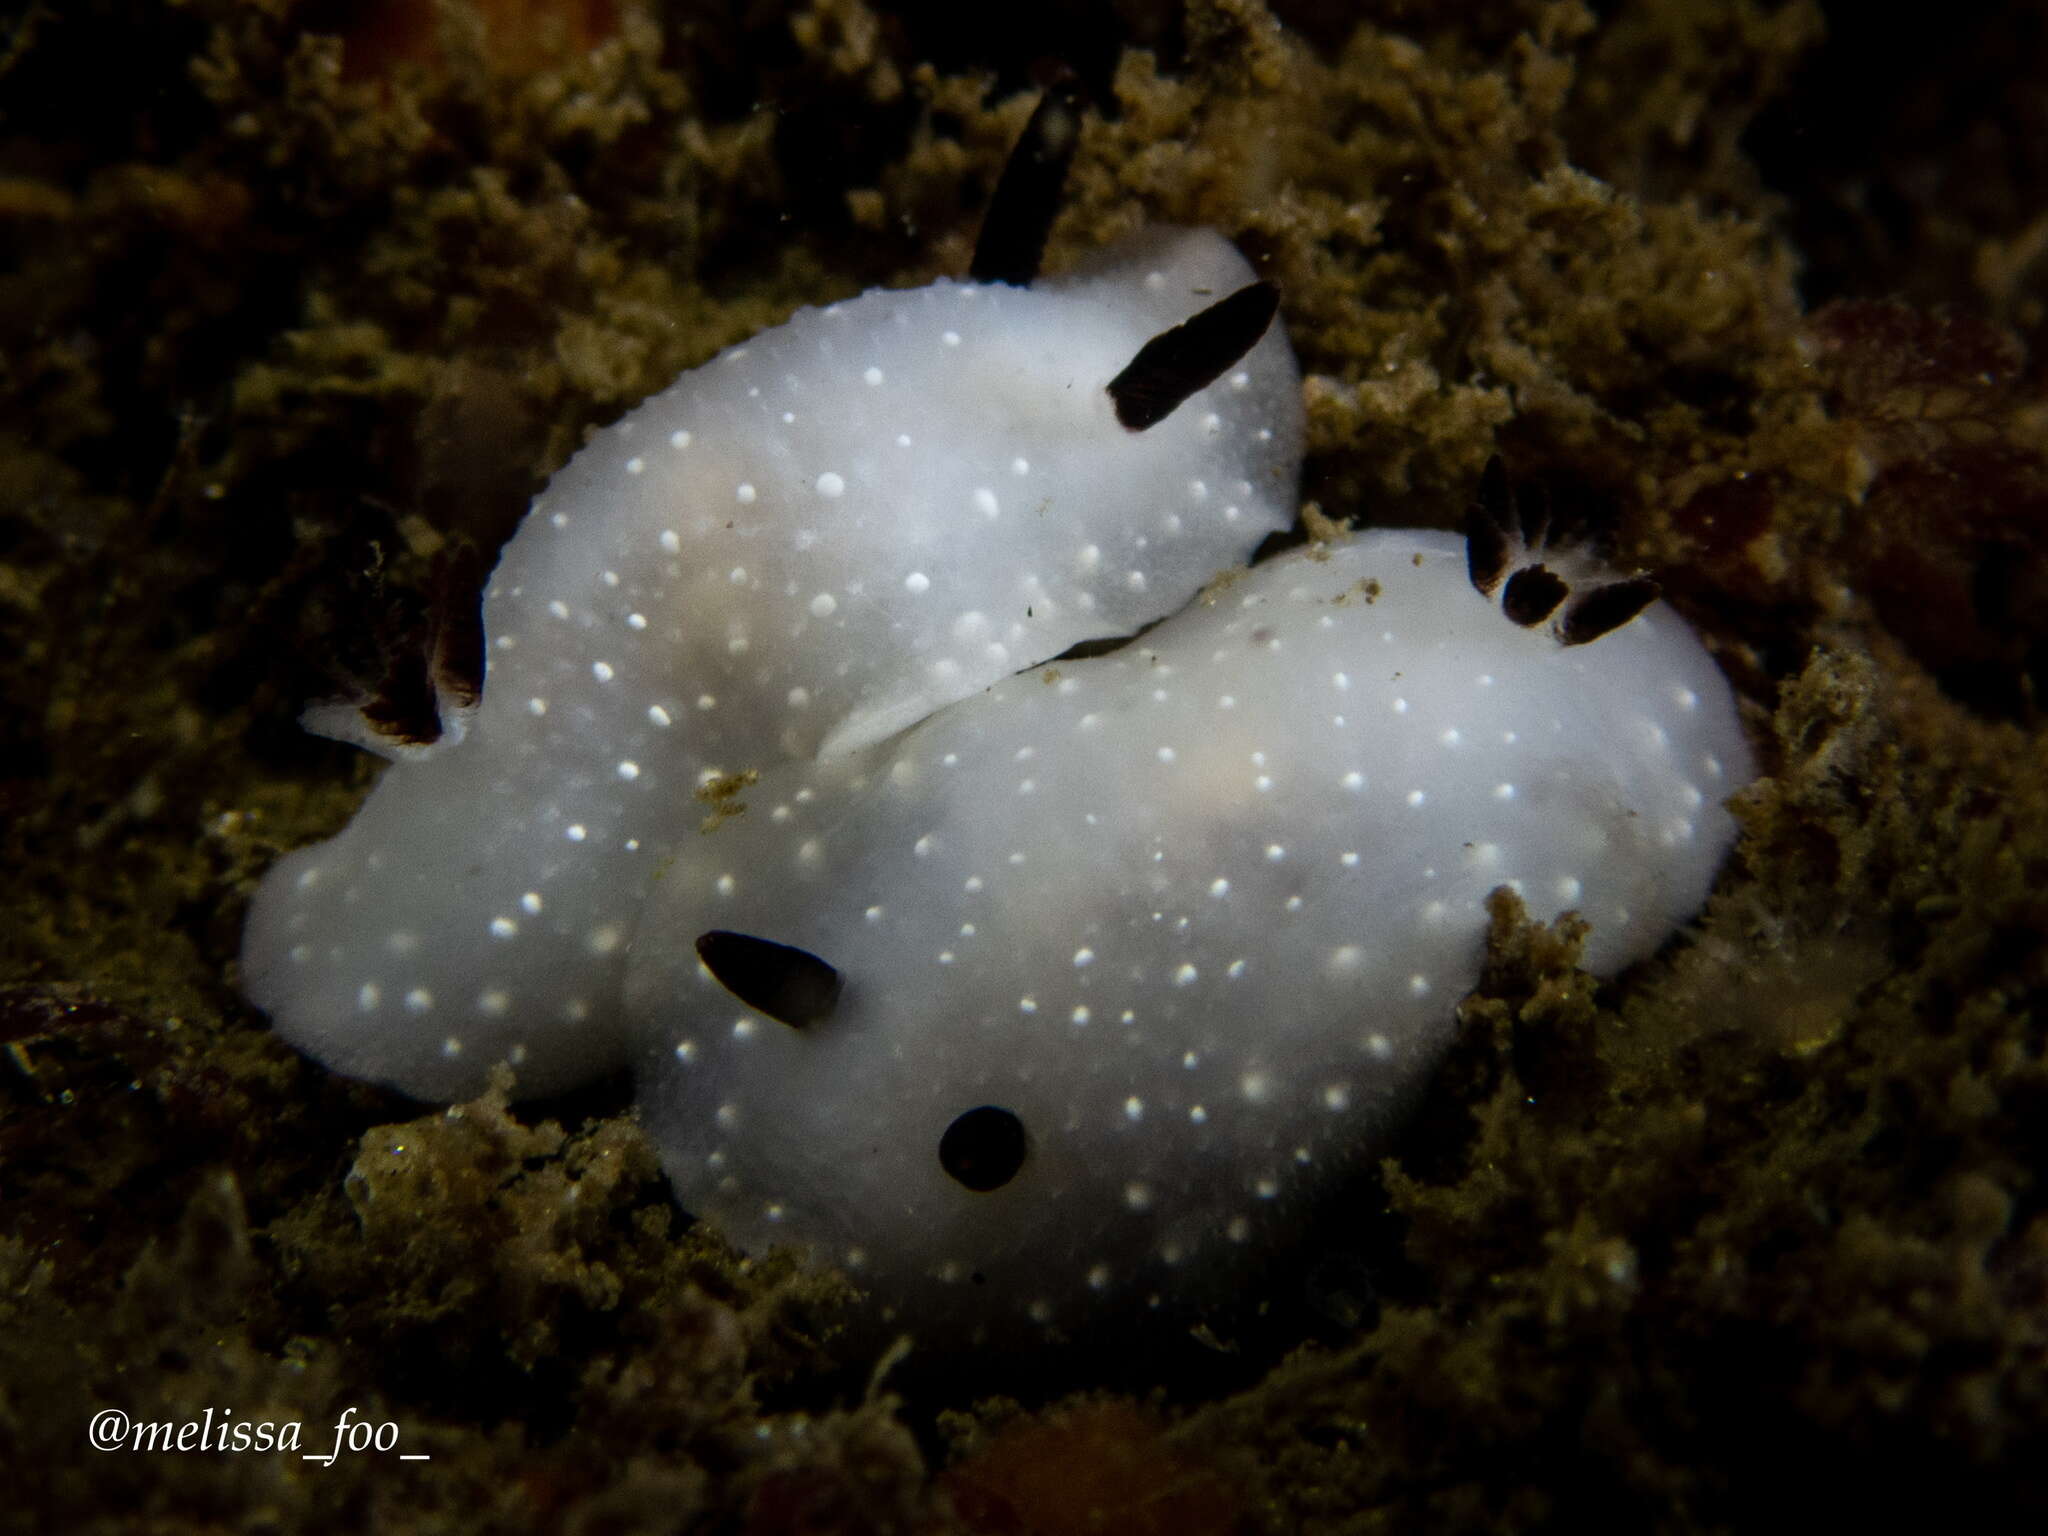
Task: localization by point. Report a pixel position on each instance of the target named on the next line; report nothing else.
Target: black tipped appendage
(404, 708)
(1490, 529)
(1605, 609)
(1533, 594)
(1193, 355)
(1027, 196)
(790, 985)
(428, 673)
(458, 662)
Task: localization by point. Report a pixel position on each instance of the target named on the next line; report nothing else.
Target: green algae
(1753, 1233)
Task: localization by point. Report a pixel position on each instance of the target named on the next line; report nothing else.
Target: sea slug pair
(1018, 993)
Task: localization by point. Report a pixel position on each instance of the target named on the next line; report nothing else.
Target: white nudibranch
(806, 545)
(1023, 995)
(1124, 959)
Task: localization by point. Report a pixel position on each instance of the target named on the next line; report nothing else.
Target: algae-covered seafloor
(301, 301)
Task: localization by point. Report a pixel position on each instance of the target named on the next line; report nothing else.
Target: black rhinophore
(790, 985)
(1193, 355)
(1027, 195)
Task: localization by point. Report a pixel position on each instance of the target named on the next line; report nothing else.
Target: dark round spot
(983, 1148)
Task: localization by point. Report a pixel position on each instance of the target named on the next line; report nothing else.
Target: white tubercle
(1195, 916)
(807, 544)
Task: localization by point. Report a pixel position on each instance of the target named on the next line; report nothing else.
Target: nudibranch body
(1133, 954)
(1021, 994)
(811, 542)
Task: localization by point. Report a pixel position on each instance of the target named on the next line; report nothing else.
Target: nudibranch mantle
(1135, 954)
(813, 541)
